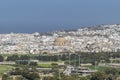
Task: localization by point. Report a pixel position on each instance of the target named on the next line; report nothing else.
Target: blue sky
(49, 15)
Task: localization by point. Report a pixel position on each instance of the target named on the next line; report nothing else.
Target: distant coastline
(30, 30)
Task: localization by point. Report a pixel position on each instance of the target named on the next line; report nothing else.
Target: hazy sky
(49, 15)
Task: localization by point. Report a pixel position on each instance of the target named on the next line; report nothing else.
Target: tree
(98, 76)
(68, 78)
(54, 66)
(49, 78)
(20, 78)
(5, 76)
(22, 62)
(33, 76)
(112, 71)
(24, 57)
(1, 58)
(13, 58)
(83, 78)
(33, 64)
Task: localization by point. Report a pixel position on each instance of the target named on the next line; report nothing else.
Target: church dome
(60, 39)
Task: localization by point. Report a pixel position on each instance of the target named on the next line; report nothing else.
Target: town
(102, 38)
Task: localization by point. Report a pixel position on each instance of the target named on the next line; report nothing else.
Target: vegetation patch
(99, 68)
(4, 68)
(45, 65)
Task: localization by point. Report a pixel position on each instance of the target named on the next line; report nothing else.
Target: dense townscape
(88, 53)
(103, 38)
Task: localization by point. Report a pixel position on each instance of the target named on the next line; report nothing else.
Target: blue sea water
(28, 16)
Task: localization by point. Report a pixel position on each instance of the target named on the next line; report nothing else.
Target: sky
(29, 16)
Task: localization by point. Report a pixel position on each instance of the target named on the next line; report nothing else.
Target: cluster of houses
(103, 38)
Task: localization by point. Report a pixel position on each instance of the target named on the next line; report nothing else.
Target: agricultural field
(99, 68)
(45, 65)
(48, 64)
(4, 68)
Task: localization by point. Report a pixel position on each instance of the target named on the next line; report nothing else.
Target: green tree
(33, 64)
(98, 76)
(22, 62)
(20, 78)
(112, 71)
(13, 58)
(33, 76)
(1, 58)
(55, 66)
(83, 78)
(5, 76)
(49, 78)
(24, 57)
(68, 78)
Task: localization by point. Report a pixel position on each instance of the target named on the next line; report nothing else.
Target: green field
(4, 68)
(45, 65)
(99, 68)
